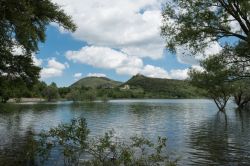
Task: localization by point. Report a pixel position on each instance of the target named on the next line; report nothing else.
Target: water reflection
(196, 131)
(221, 140)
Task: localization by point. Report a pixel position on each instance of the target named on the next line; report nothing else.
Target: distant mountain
(96, 82)
(163, 88)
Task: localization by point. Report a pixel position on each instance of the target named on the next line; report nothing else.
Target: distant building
(125, 87)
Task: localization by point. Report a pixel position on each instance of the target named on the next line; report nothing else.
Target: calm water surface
(196, 132)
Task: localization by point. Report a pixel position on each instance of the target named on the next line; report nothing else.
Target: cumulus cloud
(182, 74)
(107, 58)
(96, 75)
(122, 24)
(185, 55)
(104, 57)
(120, 34)
(36, 61)
(179, 74)
(77, 75)
(155, 72)
(53, 69)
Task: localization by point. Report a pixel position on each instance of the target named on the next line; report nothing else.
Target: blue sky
(114, 38)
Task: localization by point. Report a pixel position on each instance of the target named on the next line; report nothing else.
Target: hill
(96, 82)
(163, 88)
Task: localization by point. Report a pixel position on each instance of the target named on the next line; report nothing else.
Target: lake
(197, 134)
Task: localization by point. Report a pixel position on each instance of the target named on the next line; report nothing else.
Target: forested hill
(96, 82)
(164, 88)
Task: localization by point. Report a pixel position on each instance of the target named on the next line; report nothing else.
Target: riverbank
(25, 100)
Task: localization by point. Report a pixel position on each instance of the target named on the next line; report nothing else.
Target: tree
(196, 23)
(22, 26)
(215, 79)
(51, 92)
(241, 93)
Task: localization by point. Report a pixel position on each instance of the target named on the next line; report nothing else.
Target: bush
(72, 142)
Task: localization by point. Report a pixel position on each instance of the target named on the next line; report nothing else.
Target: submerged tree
(22, 26)
(215, 79)
(241, 93)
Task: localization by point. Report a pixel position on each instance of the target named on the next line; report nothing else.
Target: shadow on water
(221, 140)
(17, 124)
(20, 150)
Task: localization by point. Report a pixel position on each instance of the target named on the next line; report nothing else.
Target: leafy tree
(215, 79)
(13, 88)
(63, 91)
(73, 95)
(89, 95)
(241, 93)
(38, 89)
(22, 26)
(196, 23)
(51, 92)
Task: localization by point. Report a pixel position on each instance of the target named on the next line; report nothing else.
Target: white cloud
(18, 50)
(103, 57)
(36, 61)
(121, 33)
(106, 58)
(179, 74)
(182, 74)
(96, 75)
(122, 24)
(155, 72)
(78, 75)
(53, 69)
(185, 56)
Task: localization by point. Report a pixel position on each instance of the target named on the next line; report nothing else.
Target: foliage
(241, 93)
(196, 23)
(63, 92)
(215, 79)
(51, 92)
(15, 88)
(73, 142)
(38, 89)
(107, 150)
(140, 87)
(22, 26)
(238, 58)
(164, 88)
(70, 137)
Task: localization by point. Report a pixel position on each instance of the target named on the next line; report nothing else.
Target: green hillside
(96, 82)
(163, 88)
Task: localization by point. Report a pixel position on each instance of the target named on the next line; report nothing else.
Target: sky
(115, 39)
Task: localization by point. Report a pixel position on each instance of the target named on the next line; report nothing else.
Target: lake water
(196, 132)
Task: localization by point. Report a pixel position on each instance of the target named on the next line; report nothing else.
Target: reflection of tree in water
(16, 138)
(243, 116)
(220, 141)
(19, 152)
(90, 106)
(142, 108)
